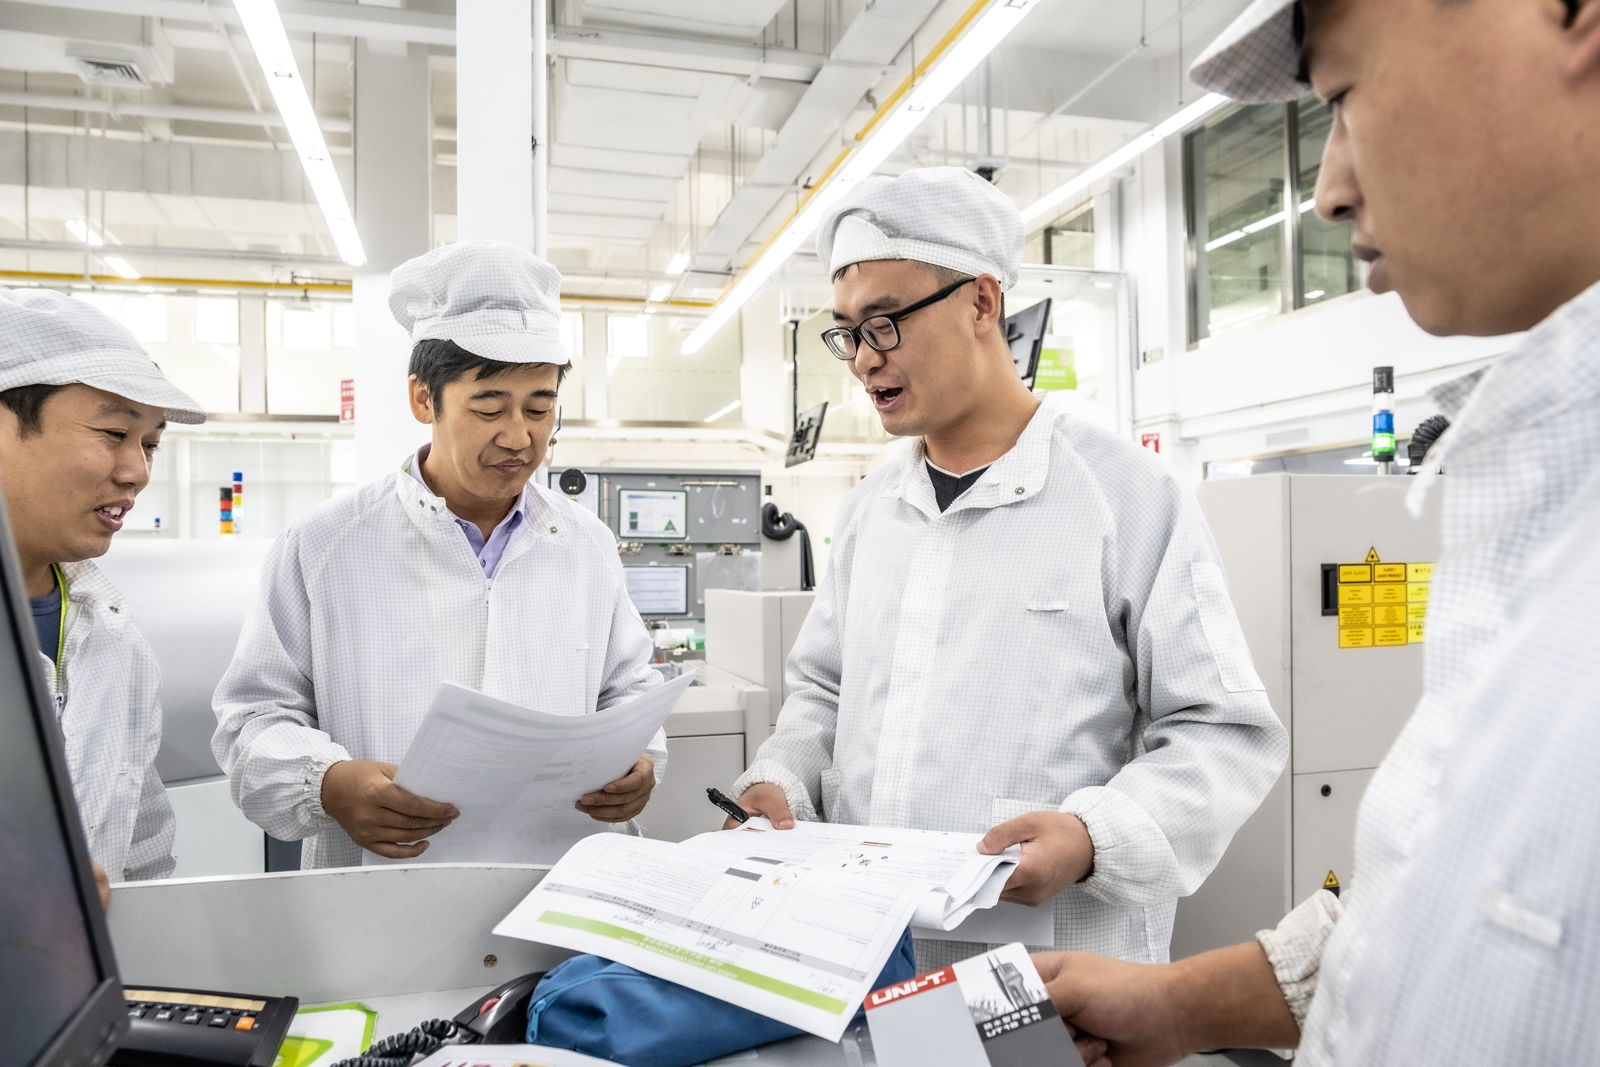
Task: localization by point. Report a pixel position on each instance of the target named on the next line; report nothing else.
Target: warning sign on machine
(1380, 604)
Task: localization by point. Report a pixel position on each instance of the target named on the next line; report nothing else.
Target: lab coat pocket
(832, 783)
(1221, 628)
(1504, 909)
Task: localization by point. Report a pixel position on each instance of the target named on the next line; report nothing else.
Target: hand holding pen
(763, 798)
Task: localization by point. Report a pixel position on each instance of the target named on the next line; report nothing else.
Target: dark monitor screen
(60, 998)
(807, 435)
(1025, 334)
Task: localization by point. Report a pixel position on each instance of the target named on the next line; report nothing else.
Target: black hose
(1427, 432)
(780, 526)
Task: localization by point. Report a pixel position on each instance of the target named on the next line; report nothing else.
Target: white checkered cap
(494, 299)
(1256, 59)
(48, 338)
(947, 216)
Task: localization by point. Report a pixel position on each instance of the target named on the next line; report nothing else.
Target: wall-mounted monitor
(1025, 334)
(652, 514)
(807, 433)
(659, 590)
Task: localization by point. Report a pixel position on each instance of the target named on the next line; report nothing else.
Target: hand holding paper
(516, 774)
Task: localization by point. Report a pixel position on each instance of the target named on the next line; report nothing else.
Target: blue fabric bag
(600, 1008)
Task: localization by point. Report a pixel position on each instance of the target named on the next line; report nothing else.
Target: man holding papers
(1024, 630)
(455, 568)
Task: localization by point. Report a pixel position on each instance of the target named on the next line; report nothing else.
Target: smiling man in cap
(1464, 153)
(1024, 631)
(83, 409)
(457, 567)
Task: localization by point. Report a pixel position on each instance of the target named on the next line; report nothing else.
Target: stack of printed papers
(793, 924)
(516, 773)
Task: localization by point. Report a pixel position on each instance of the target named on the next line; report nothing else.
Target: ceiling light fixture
(678, 264)
(1051, 204)
(121, 267)
(1255, 227)
(660, 291)
(975, 34)
(84, 233)
(264, 27)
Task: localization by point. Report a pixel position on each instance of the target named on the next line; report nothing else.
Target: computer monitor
(807, 434)
(1025, 334)
(59, 992)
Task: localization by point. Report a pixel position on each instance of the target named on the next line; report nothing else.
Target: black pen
(721, 800)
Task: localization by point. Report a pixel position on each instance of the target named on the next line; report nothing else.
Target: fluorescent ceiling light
(1316, 294)
(83, 232)
(121, 266)
(730, 409)
(980, 30)
(1255, 227)
(660, 292)
(264, 27)
(678, 264)
(1052, 203)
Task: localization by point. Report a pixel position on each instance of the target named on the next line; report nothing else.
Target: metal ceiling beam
(299, 16)
(420, 27)
(285, 259)
(682, 53)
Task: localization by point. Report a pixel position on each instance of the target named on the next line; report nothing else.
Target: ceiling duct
(119, 73)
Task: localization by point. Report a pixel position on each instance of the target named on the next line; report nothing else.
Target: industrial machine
(1330, 578)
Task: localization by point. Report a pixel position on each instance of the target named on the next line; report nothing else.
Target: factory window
(1256, 246)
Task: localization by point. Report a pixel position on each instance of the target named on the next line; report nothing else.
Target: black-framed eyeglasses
(880, 332)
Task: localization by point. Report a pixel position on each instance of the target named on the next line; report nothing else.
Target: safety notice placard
(1381, 603)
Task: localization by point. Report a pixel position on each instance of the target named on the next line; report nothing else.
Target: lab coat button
(1020, 490)
(554, 530)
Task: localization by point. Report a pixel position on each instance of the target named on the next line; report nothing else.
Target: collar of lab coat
(1551, 370)
(430, 511)
(91, 595)
(1014, 477)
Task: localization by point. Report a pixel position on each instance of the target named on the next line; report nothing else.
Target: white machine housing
(1343, 707)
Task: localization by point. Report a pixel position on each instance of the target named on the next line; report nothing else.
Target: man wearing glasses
(1024, 629)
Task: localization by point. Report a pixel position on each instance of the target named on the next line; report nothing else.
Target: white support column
(252, 354)
(540, 198)
(592, 365)
(394, 212)
(494, 121)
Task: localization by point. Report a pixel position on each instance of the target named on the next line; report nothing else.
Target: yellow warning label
(1389, 615)
(1388, 594)
(1382, 604)
(1355, 637)
(1331, 882)
(1356, 615)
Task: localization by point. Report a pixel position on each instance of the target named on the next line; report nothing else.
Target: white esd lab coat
(372, 599)
(110, 696)
(1060, 639)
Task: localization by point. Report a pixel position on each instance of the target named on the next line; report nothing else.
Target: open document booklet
(515, 773)
(794, 924)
